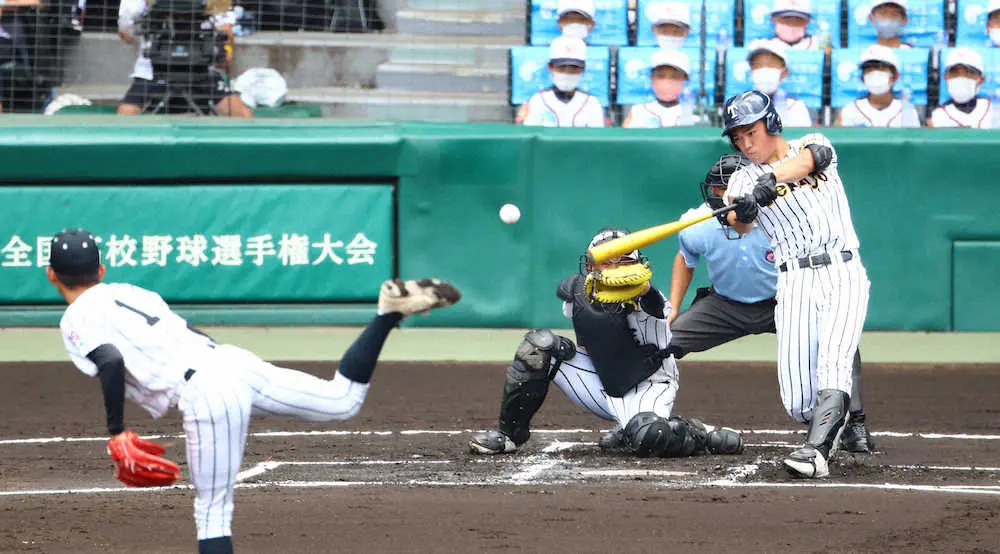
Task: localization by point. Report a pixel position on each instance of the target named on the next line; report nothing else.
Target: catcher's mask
(718, 176)
(604, 235)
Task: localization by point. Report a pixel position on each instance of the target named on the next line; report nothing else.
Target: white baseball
(509, 213)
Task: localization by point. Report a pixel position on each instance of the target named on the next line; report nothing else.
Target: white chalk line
(414, 432)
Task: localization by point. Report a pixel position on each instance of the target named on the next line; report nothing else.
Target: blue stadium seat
(757, 20)
(846, 85)
(633, 75)
(991, 88)
(970, 29)
(925, 28)
(805, 75)
(721, 16)
(529, 73)
(610, 22)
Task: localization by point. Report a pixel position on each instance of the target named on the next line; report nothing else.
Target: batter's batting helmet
(750, 107)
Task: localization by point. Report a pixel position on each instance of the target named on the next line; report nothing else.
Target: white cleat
(416, 296)
(807, 463)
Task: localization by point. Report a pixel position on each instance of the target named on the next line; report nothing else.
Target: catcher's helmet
(747, 108)
(604, 235)
(719, 176)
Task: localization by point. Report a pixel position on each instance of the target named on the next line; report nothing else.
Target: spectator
(880, 71)
(768, 69)
(963, 75)
(13, 49)
(671, 23)
(790, 19)
(669, 73)
(889, 17)
(213, 91)
(993, 21)
(562, 105)
(576, 18)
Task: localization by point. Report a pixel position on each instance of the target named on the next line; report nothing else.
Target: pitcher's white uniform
(227, 386)
(545, 109)
(578, 378)
(861, 113)
(821, 311)
(981, 117)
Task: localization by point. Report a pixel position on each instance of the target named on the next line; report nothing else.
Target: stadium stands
(925, 27)
(757, 20)
(991, 88)
(845, 76)
(633, 76)
(529, 73)
(805, 75)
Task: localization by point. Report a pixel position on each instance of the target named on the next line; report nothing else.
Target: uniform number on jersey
(809, 181)
(150, 320)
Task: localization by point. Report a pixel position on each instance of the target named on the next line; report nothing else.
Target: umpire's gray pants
(714, 319)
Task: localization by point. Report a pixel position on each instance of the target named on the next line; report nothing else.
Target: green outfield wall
(309, 199)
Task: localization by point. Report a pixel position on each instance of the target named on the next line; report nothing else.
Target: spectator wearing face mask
(879, 108)
(671, 23)
(993, 21)
(668, 75)
(963, 75)
(790, 18)
(768, 69)
(889, 18)
(576, 18)
(562, 105)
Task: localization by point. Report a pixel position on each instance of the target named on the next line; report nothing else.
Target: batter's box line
(270, 465)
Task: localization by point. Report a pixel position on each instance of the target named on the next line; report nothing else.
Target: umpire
(741, 300)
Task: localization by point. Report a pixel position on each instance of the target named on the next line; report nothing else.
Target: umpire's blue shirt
(742, 270)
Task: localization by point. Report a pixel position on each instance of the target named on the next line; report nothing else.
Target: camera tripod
(181, 92)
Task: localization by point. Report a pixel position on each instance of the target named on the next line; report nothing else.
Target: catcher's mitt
(139, 463)
(622, 284)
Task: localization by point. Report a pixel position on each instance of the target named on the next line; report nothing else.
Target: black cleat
(856, 438)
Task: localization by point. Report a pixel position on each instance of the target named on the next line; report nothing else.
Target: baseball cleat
(415, 296)
(807, 463)
(613, 441)
(856, 438)
(492, 442)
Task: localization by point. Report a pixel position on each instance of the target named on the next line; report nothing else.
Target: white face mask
(664, 41)
(565, 82)
(995, 35)
(962, 89)
(575, 30)
(877, 82)
(766, 79)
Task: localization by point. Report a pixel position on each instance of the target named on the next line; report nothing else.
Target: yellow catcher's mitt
(622, 284)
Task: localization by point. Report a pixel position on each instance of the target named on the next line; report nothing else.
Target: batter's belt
(813, 261)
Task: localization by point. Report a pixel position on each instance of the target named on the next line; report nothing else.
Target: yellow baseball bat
(640, 239)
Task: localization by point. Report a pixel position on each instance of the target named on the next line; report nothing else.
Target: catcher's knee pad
(648, 434)
(527, 380)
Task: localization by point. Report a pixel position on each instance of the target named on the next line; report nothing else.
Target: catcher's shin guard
(527, 381)
(648, 434)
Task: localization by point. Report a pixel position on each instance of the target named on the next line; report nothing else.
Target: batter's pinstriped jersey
(810, 216)
(156, 344)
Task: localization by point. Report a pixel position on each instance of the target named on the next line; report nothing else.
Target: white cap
(993, 6)
(586, 7)
(774, 46)
(879, 53)
(964, 56)
(608, 234)
(669, 12)
(671, 57)
(800, 8)
(900, 3)
(568, 51)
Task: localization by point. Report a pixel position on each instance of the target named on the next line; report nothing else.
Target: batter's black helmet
(750, 107)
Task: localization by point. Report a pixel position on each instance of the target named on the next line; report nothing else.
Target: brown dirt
(445, 500)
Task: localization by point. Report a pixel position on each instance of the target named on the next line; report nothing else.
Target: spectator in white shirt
(879, 108)
(963, 75)
(768, 69)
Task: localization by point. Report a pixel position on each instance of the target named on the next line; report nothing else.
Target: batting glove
(766, 190)
(746, 209)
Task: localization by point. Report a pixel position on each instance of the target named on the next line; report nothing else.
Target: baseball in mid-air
(509, 213)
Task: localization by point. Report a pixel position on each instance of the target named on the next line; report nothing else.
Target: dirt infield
(398, 478)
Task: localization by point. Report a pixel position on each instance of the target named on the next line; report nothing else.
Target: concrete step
(442, 77)
(461, 22)
(346, 102)
(469, 5)
(304, 58)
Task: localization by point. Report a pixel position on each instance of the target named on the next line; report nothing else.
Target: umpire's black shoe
(856, 438)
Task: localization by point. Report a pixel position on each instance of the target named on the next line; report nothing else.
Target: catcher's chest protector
(621, 363)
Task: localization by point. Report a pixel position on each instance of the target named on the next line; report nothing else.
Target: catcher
(138, 348)
(622, 370)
